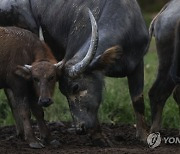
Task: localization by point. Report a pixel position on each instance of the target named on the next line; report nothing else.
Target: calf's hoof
(36, 145)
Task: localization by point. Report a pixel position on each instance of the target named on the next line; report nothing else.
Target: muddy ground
(122, 137)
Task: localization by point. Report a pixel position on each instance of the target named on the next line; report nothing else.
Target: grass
(5, 112)
(116, 106)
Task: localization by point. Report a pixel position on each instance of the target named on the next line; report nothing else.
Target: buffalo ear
(107, 58)
(23, 71)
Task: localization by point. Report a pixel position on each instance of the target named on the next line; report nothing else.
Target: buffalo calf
(28, 74)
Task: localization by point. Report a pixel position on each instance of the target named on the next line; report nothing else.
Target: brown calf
(25, 85)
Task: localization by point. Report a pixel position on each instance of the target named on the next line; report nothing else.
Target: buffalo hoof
(55, 143)
(142, 134)
(20, 136)
(11, 138)
(142, 137)
(36, 145)
(71, 130)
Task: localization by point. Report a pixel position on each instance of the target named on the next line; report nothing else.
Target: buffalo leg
(158, 94)
(44, 131)
(136, 84)
(163, 85)
(98, 138)
(14, 109)
(176, 95)
(39, 115)
(24, 112)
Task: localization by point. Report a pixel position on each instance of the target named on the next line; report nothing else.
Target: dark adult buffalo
(165, 28)
(123, 41)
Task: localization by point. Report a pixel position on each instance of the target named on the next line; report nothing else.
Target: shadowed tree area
(152, 5)
(150, 8)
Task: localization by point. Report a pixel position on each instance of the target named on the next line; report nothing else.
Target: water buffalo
(31, 86)
(163, 27)
(123, 41)
(175, 69)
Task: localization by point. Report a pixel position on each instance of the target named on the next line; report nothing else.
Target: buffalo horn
(78, 68)
(59, 64)
(28, 66)
(41, 37)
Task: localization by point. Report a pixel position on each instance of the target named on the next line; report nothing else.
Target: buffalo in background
(165, 28)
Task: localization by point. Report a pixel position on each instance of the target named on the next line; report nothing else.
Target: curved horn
(28, 66)
(82, 65)
(59, 64)
(41, 37)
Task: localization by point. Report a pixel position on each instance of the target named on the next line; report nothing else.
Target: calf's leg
(44, 131)
(24, 112)
(14, 109)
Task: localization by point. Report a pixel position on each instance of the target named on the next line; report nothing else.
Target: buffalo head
(82, 83)
(44, 75)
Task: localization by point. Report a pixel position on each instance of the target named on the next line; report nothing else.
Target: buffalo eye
(75, 88)
(51, 78)
(36, 79)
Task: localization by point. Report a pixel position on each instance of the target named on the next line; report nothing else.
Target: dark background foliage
(152, 5)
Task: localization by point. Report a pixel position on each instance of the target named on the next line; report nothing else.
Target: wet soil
(122, 136)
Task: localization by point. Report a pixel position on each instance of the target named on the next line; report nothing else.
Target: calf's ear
(23, 71)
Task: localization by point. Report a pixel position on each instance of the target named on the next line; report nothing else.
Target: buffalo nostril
(45, 102)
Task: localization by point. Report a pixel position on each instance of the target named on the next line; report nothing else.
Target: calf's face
(43, 75)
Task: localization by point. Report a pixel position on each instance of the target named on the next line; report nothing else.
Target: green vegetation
(152, 6)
